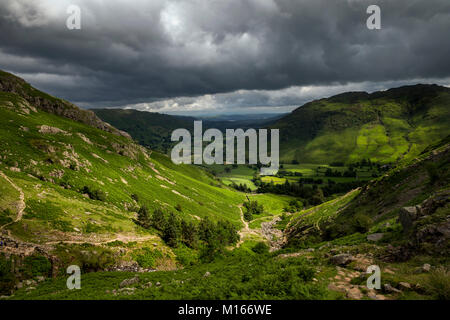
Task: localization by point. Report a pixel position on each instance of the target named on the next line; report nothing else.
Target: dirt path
(121, 238)
(267, 232)
(21, 206)
(246, 230)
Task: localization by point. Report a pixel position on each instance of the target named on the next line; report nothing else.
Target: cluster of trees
(335, 173)
(337, 164)
(310, 195)
(310, 181)
(294, 206)
(174, 230)
(283, 173)
(363, 163)
(251, 208)
(241, 187)
(341, 187)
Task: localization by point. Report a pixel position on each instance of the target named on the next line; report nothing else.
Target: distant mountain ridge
(154, 129)
(384, 126)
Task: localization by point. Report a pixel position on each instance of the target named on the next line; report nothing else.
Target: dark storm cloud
(131, 52)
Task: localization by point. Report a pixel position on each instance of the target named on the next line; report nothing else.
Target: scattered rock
(362, 262)
(207, 274)
(342, 259)
(375, 236)
(334, 287)
(29, 282)
(127, 291)
(386, 270)
(375, 296)
(426, 267)
(390, 289)
(404, 286)
(129, 282)
(354, 293)
(52, 130)
(158, 284)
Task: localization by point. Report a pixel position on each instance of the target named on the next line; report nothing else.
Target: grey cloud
(153, 51)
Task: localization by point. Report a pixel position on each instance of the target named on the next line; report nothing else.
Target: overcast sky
(222, 55)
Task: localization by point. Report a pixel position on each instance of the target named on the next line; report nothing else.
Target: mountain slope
(422, 182)
(73, 189)
(33, 98)
(384, 126)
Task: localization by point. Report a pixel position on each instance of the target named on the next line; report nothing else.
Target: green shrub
(185, 256)
(438, 284)
(36, 265)
(144, 217)
(260, 248)
(432, 171)
(7, 279)
(361, 223)
(94, 194)
(146, 258)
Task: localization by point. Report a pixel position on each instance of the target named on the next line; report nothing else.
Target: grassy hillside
(384, 126)
(71, 192)
(376, 207)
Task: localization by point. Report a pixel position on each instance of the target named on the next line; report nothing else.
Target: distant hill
(151, 129)
(154, 129)
(384, 126)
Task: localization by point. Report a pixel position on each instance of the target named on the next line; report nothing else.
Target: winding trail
(121, 238)
(21, 206)
(246, 230)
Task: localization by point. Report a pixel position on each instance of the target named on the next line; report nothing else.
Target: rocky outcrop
(427, 227)
(407, 216)
(59, 107)
(341, 259)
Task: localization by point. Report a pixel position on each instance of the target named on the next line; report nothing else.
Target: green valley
(364, 181)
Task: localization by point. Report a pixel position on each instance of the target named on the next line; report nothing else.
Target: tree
(143, 217)
(252, 207)
(189, 234)
(171, 232)
(206, 230)
(159, 220)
